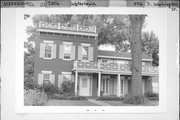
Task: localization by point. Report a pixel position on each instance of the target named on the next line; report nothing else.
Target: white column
(119, 85)
(76, 81)
(99, 84)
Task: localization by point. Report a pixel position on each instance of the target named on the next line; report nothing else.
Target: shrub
(49, 89)
(134, 100)
(65, 97)
(152, 95)
(34, 98)
(109, 98)
(67, 88)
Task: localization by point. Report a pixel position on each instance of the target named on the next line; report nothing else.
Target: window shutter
(42, 50)
(61, 51)
(52, 78)
(90, 54)
(54, 51)
(73, 52)
(79, 52)
(40, 79)
(59, 80)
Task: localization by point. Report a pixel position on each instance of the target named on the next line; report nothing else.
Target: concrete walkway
(98, 102)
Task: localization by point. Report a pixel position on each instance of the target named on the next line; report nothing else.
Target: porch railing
(60, 26)
(111, 67)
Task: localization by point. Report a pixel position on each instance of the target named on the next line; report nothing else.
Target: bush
(49, 89)
(34, 98)
(109, 98)
(67, 88)
(152, 95)
(65, 97)
(134, 100)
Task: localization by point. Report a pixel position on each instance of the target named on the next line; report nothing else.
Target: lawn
(70, 103)
(120, 103)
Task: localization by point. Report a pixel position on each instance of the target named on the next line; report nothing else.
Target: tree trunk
(136, 22)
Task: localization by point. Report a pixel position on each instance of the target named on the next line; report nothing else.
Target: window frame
(66, 73)
(87, 53)
(70, 44)
(51, 44)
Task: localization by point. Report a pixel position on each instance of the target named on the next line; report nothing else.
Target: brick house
(70, 53)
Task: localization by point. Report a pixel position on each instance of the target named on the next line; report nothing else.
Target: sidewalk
(98, 102)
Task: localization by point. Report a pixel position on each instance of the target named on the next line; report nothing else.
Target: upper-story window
(85, 53)
(67, 51)
(48, 51)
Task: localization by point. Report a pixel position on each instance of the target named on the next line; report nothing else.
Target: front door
(84, 85)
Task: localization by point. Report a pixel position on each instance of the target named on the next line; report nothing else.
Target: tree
(150, 45)
(136, 22)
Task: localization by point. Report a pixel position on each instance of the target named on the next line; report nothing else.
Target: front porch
(99, 79)
(104, 84)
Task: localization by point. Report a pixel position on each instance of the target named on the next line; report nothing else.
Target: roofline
(66, 32)
(126, 58)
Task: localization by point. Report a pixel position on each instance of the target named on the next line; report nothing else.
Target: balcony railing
(111, 67)
(60, 26)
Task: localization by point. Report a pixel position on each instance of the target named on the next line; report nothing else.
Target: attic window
(57, 34)
(91, 37)
(84, 36)
(42, 33)
(64, 35)
(49, 33)
(71, 35)
(78, 36)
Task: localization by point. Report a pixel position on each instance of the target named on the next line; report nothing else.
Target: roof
(121, 55)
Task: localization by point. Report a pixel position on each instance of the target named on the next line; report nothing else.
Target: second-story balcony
(113, 67)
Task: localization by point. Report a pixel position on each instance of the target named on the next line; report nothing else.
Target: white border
(20, 108)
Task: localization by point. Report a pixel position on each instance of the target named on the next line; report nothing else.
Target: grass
(120, 103)
(70, 103)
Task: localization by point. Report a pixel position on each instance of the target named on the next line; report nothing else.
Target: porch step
(98, 102)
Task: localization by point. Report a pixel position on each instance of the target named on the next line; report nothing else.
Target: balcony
(67, 27)
(113, 67)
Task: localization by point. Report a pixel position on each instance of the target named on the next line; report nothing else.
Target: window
(67, 52)
(46, 78)
(84, 82)
(143, 63)
(84, 52)
(66, 76)
(48, 51)
(105, 61)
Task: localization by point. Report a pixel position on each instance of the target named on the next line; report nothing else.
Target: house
(70, 53)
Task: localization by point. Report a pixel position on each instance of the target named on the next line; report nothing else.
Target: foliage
(67, 88)
(109, 98)
(150, 45)
(134, 100)
(152, 95)
(49, 89)
(34, 98)
(67, 97)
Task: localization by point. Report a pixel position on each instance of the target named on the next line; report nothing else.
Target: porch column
(76, 80)
(119, 85)
(99, 84)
